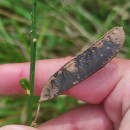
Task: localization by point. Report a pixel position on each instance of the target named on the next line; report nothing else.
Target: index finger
(93, 89)
(11, 74)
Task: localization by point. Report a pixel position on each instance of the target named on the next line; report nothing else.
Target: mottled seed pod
(85, 64)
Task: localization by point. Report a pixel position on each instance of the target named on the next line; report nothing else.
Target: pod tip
(117, 35)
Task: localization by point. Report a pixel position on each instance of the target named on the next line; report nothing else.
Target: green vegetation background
(64, 28)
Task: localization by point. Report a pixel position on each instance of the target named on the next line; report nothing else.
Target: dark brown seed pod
(85, 64)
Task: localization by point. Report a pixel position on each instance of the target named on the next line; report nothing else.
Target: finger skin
(17, 127)
(94, 89)
(85, 117)
(125, 124)
(117, 104)
(99, 85)
(11, 74)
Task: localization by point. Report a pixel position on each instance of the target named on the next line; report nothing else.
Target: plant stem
(32, 64)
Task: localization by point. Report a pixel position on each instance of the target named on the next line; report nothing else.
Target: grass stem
(32, 62)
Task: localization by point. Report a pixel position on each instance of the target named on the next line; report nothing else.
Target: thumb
(17, 127)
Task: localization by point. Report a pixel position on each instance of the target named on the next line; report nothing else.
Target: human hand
(107, 91)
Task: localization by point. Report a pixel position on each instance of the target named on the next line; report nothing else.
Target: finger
(99, 85)
(117, 105)
(17, 127)
(88, 117)
(94, 89)
(10, 74)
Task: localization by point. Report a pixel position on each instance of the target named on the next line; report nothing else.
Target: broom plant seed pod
(85, 64)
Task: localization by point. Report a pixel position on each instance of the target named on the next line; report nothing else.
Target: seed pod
(85, 64)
